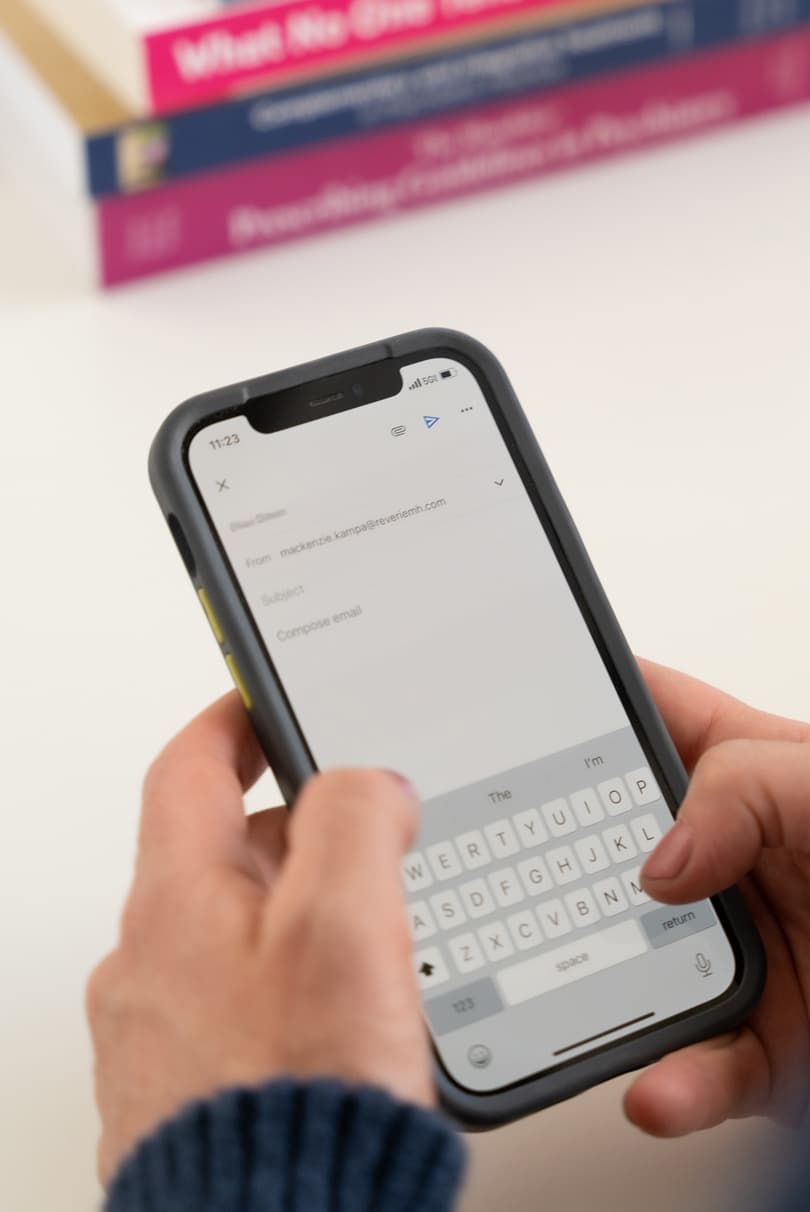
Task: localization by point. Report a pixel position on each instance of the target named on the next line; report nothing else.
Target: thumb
(338, 914)
(744, 797)
(348, 834)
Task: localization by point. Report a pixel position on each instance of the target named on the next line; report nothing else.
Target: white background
(653, 315)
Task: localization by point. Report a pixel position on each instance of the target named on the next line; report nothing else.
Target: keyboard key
(643, 786)
(647, 832)
(496, 942)
(530, 829)
(563, 865)
(462, 1007)
(477, 898)
(609, 896)
(552, 917)
(421, 920)
(619, 843)
(582, 908)
(632, 886)
(673, 922)
(535, 876)
(558, 817)
(466, 952)
(502, 839)
(592, 854)
(506, 887)
(444, 861)
(431, 970)
(615, 796)
(448, 910)
(415, 872)
(573, 960)
(524, 930)
(587, 807)
(473, 850)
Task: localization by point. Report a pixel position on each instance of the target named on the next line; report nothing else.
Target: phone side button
(238, 680)
(182, 543)
(205, 601)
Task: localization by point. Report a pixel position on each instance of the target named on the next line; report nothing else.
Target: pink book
(157, 55)
(376, 176)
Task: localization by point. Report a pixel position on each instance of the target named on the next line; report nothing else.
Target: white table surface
(654, 316)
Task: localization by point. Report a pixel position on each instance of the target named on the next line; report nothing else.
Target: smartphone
(394, 581)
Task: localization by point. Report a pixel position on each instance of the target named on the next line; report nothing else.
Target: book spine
(148, 154)
(378, 175)
(193, 63)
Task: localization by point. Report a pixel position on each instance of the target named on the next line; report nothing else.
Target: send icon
(430, 421)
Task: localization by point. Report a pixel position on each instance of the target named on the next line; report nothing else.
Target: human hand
(256, 946)
(746, 820)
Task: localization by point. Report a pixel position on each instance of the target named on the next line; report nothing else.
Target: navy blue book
(136, 155)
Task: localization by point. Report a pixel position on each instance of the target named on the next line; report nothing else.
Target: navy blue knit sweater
(308, 1147)
(294, 1147)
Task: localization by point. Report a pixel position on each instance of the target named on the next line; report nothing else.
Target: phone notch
(325, 397)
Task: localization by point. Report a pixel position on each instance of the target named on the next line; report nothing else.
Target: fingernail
(404, 783)
(671, 855)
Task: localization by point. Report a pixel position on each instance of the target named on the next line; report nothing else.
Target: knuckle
(730, 795)
(721, 765)
(155, 776)
(135, 918)
(98, 988)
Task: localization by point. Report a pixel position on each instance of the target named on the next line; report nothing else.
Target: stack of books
(160, 133)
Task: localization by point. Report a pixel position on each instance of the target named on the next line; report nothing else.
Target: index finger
(193, 808)
(699, 716)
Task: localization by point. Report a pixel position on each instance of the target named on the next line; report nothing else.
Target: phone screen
(409, 597)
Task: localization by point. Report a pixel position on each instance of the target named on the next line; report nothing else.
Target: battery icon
(447, 374)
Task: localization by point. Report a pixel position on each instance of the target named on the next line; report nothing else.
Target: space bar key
(577, 959)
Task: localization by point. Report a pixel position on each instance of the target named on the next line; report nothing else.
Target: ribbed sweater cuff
(294, 1146)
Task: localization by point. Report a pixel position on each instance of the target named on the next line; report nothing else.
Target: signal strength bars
(416, 383)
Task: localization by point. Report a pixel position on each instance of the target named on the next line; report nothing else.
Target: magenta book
(377, 176)
(160, 55)
(204, 60)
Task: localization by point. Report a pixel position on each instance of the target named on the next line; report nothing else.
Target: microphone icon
(703, 964)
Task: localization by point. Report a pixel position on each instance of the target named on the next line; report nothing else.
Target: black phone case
(287, 751)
